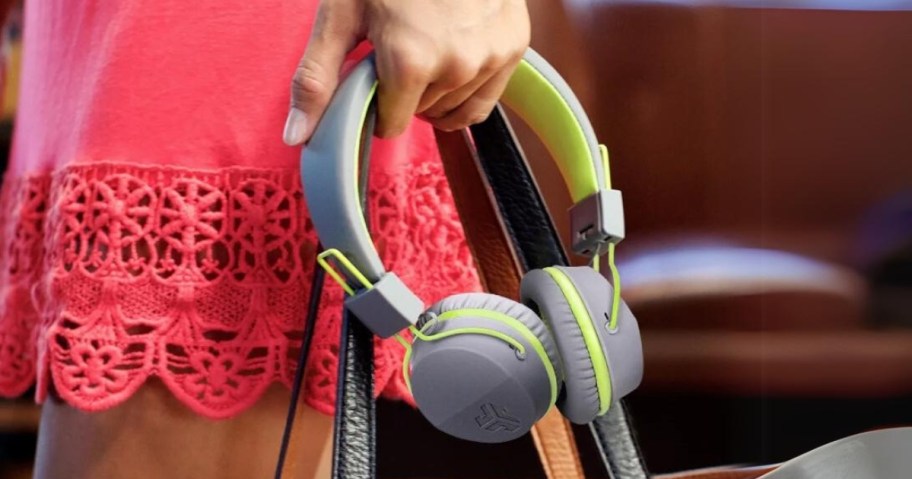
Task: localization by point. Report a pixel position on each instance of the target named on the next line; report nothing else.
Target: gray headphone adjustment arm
(597, 221)
(388, 307)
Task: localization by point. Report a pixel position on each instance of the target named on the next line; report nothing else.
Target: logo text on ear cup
(493, 420)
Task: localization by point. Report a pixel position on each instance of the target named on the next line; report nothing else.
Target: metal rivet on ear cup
(426, 318)
(608, 325)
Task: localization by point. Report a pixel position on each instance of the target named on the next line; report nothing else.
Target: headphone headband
(544, 101)
(541, 98)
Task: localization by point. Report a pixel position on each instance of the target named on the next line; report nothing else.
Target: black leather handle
(538, 246)
(354, 442)
(354, 449)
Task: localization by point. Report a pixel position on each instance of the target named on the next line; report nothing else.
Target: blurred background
(764, 149)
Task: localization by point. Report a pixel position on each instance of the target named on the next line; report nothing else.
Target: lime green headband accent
(551, 117)
(493, 315)
(603, 152)
(590, 337)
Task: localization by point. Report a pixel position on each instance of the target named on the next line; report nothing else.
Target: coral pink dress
(152, 219)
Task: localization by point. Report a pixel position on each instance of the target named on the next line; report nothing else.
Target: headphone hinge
(386, 308)
(596, 222)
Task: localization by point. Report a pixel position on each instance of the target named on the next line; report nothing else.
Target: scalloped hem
(111, 273)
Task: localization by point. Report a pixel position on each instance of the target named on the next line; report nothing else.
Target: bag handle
(355, 431)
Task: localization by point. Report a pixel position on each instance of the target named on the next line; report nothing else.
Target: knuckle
(452, 80)
(462, 75)
(491, 66)
(414, 68)
(506, 58)
(470, 64)
(463, 69)
(310, 82)
(498, 59)
(515, 55)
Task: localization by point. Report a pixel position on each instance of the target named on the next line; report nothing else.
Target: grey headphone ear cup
(581, 402)
(475, 386)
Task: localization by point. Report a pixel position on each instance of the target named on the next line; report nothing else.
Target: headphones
(483, 367)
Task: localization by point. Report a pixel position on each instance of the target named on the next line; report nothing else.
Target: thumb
(315, 79)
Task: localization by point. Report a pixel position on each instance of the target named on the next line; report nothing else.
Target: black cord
(313, 308)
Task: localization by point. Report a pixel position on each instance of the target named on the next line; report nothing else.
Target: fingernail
(295, 127)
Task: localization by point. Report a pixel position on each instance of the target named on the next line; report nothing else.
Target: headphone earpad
(475, 386)
(623, 346)
(621, 349)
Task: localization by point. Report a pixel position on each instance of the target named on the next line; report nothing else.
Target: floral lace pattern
(111, 273)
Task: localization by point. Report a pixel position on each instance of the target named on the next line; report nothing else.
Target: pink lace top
(152, 221)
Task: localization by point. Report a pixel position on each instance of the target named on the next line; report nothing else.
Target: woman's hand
(447, 60)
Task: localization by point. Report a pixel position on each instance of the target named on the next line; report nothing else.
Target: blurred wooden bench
(769, 129)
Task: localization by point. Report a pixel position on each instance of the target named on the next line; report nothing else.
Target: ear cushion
(513, 309)
(582, 398)
(622, 345)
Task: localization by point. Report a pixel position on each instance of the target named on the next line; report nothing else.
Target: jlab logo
(494, 419)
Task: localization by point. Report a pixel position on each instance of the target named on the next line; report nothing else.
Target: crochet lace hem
(111, 273)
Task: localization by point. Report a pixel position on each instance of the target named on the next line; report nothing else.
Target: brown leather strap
(500, 274)
(720, 473)
(495, 258)
(556, 447)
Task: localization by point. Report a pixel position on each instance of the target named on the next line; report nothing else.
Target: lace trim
(111, 273)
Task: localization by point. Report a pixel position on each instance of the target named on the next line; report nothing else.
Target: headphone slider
(387, 307)
(596, 222)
